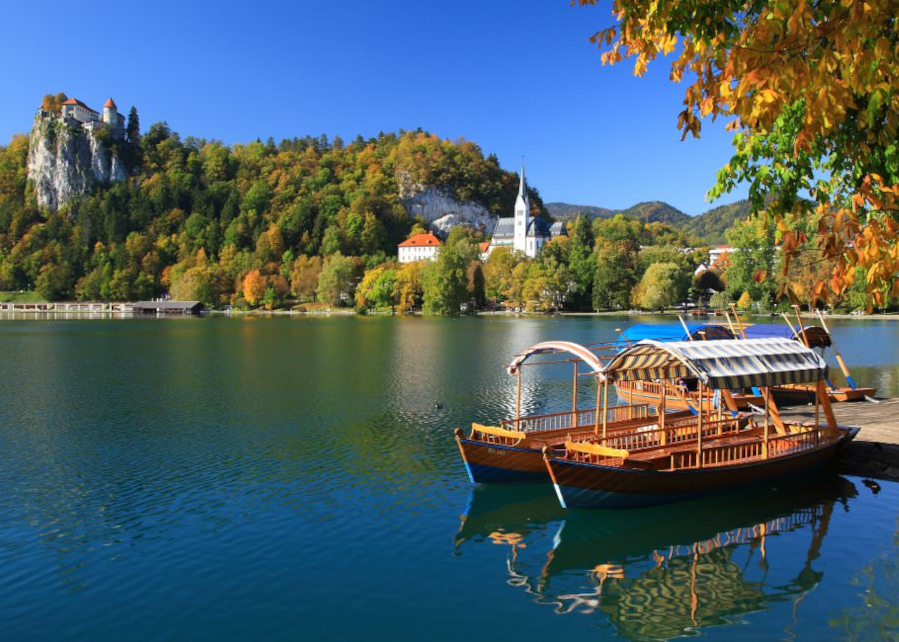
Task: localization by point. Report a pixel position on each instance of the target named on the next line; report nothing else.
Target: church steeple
(523, 183)
(522, 215)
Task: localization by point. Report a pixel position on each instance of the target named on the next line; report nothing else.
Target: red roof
(109, 103)
(75, 101)
(484, 246)
(421, 240)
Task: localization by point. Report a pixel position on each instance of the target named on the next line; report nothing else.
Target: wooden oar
(837, 353)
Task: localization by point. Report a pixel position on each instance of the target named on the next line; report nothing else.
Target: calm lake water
(218, 478)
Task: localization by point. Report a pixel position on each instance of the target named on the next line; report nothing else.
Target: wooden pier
(875, 452)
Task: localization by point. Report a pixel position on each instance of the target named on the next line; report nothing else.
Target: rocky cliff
(440, 210)
(65, 161)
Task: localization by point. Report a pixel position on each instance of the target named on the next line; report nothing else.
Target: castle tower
(110, 113)
(522, 215)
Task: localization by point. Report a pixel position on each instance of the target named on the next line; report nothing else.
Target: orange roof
(75, 101)
(484, 246)
(109, 103)
(421, 240)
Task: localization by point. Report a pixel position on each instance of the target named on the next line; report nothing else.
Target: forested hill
(567, 211)
(196, 215)
(711, 226)
(707, 228)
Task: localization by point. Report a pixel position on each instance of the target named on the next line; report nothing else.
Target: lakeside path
(875, 451)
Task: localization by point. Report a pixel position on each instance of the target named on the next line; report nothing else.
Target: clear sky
(518, 78)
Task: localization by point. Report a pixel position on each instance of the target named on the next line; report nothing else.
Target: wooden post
(766, 392)
(699, 433)
(605, 406)
(662, 416)
(518, 402)
(574, 399)
(828, 410)
(598, 407)
(817, 421)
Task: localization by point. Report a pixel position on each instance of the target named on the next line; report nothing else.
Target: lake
(282, 478)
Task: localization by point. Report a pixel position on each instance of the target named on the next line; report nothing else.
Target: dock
(875, 451)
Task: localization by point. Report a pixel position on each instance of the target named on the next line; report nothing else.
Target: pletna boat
(709, 456)
(513, 451)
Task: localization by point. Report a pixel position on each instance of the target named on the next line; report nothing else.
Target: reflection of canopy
(720, 364)
(554, 347)
(817, 336)
(675, 332)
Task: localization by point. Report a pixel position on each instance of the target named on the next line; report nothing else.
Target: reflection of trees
(878, 618)
(635, 569)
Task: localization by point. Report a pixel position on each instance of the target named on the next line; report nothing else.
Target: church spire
(523, 184)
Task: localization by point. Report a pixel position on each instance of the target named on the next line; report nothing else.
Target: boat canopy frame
(720, 365)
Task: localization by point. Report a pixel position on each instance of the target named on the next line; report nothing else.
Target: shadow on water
(663, 572)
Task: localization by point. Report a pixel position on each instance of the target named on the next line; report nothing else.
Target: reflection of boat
(682, 394)
(512, 451)
(660, 573)
(668, 465)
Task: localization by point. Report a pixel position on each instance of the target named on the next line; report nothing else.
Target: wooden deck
(875, 452)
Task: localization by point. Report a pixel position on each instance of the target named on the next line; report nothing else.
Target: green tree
(446, 281)
(750, 264)
(582, 261)
(616, 276)
(336, 282)
(663, 285)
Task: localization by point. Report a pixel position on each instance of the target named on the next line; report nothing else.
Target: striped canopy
(720, 364)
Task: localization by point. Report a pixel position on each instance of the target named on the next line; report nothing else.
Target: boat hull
(800, 394)
(498, 464)
(584, 485)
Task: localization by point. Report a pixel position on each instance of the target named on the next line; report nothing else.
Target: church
(521, 233)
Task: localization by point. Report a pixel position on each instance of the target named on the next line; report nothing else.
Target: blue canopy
(675, 332)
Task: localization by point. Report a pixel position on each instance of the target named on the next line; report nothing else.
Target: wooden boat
(706, 455)
(815, 337)
(513, 451)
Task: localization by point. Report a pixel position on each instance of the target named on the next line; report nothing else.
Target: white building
(716, 253)
(522, 233)
(75, 113)
(419, 247)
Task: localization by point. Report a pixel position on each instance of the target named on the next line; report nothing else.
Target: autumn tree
(254, 287)
(409, 289)
(304, 273)
(811, 90)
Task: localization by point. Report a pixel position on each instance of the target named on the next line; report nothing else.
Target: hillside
(567, 211)
(710, 227)
(193, 217)
(652, 211)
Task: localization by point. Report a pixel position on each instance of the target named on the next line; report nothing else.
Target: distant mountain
(710, 227)
(652, 211)
(567, 211)
(707, 228)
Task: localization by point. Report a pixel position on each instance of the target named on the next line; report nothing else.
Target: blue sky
(518, 78)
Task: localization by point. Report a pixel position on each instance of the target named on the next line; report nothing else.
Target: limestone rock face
(440, 210)
(65, 162)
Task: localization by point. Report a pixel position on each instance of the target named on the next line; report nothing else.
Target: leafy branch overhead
(811, 90)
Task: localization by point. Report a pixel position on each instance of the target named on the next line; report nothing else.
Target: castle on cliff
(75, 113)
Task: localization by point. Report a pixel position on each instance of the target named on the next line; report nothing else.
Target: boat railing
(727, 454)
(577, 419)
(676, 432)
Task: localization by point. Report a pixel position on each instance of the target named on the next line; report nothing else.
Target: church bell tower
(522, 215)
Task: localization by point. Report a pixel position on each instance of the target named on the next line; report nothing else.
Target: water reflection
(665, 572)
